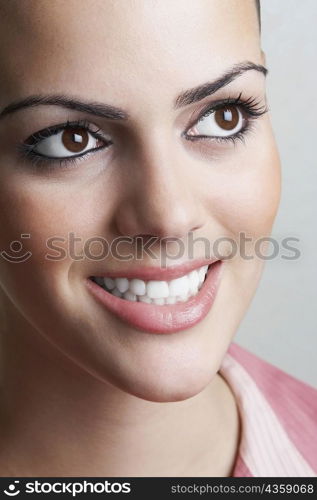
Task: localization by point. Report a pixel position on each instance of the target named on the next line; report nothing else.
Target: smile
(154, 291)
(159, 306)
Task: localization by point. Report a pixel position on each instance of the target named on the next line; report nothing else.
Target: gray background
(281, 325)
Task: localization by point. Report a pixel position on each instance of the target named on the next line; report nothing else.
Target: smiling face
(139, 166)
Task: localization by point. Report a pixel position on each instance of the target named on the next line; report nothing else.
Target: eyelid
(28, 150)
(240, 102)
(52, 130)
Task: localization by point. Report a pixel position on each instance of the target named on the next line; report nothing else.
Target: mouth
(154, 291)
(159, 306)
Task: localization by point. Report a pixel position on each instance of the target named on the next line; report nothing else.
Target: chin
(170, 384)
(166, 393)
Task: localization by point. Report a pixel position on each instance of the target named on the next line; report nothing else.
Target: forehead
(121, 47)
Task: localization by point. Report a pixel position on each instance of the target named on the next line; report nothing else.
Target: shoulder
(293, 402)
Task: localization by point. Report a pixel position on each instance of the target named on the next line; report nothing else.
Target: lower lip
(169, 318)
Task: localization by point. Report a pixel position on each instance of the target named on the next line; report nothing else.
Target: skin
(81, 390)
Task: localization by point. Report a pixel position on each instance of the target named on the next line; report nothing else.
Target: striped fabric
(278, 415)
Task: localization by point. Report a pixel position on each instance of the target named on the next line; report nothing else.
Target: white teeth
(170, 300)
(109, 283)
(202, 273)
(193, 278)
(179, 286)
(129, 296)
(145, 299)
(155, 291)
(159, 302)
(122, 284)
(183, 297)
(137, 286)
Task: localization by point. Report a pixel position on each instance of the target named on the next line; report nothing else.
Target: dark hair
(258, 9)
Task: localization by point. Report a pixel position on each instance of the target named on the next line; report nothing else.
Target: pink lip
(168, 318)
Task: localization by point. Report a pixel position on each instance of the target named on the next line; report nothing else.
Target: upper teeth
(153, 291)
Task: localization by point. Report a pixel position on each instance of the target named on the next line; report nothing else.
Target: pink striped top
(278, 415)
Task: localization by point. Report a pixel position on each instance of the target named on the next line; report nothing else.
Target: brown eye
(227, 118)
(75, 139)
(68, 142)
(222, 122)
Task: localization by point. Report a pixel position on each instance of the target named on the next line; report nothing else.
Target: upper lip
(157, 273)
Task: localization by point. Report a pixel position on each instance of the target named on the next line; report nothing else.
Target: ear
(263, 58)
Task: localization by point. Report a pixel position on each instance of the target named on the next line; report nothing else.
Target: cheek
(45, 291)
(248, 192)
(257, 198)
(50, 209)
(45, 211)
(244, 203)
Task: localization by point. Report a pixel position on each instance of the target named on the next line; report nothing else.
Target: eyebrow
(198, 93)
(115, 113)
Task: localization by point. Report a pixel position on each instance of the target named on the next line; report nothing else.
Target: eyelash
(251, 107)
(27, 150)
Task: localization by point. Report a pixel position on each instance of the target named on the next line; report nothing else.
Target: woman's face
(143, 176)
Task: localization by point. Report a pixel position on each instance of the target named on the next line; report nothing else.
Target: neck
(57, 419)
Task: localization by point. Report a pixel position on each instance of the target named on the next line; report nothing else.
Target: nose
(161, 198)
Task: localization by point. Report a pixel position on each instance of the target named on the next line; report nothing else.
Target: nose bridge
(165, 199)
(160, 198)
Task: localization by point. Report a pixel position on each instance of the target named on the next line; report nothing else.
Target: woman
(136, 151)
